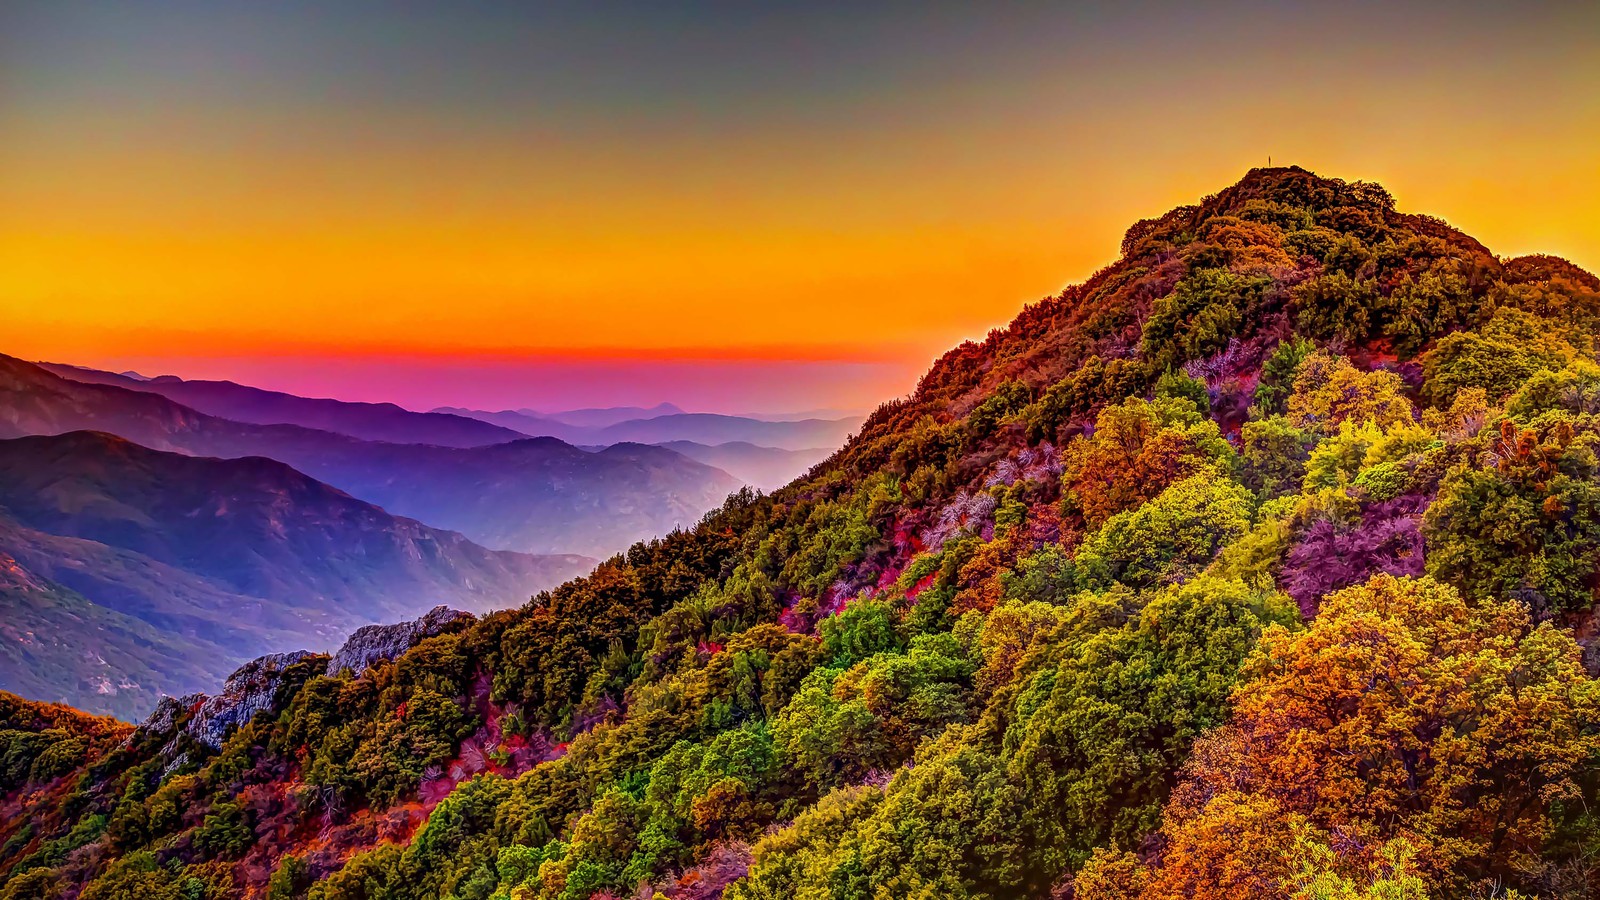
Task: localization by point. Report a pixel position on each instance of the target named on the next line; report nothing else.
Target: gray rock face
(252, 688)
(246, 692)
(165, 716)
(378, 642)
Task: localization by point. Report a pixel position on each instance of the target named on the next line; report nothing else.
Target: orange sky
(176, 192)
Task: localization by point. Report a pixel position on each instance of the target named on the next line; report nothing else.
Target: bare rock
(379, 642)
(164, 718)
(254, 685)
(246, 692)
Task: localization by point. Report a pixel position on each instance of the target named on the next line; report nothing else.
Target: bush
(1168, 539)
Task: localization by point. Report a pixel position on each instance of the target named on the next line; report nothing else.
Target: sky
(733, 207)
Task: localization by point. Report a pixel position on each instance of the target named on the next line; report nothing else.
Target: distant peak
(83, 437)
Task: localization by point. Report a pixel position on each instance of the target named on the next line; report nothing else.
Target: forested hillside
(1261, 564)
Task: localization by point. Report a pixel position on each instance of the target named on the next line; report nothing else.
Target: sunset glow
(212, 191)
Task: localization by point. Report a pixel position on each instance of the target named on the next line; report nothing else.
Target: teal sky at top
(187, 183)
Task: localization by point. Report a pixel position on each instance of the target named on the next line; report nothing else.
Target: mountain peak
(1153, 543)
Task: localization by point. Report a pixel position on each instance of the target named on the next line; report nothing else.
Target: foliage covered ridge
(1263, 563)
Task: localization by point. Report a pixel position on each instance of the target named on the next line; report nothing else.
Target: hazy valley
(152, 546)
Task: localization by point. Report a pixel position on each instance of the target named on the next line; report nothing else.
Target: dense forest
(1261, 564)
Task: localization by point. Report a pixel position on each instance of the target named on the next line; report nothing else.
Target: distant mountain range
(241, 403)
(601, 418)
(767, 468)
(460, 427)
(763, 451)
(157, 532)
(536, 495)
(126, 572)
(611, 415)
(702, 428)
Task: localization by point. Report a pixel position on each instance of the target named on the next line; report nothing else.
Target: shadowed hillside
(146, 572)
(764, 468)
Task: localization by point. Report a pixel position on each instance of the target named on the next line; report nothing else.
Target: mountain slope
(218, 561)
(1264, 563)
(57, 646)
(525, 422)
(242, 403)
(183, 606)
(533, 495)
(710, 428)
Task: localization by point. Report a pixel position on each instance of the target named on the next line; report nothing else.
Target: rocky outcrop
(253, 686)
(246, 692)
(167, 712)
(249, 690)
(378, 642)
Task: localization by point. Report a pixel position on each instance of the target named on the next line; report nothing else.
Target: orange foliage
(1130, 459)
(1401, 712)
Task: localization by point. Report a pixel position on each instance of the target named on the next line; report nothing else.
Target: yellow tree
(1400, 713)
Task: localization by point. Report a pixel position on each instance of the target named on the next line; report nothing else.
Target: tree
(1274, 455)
(1277, 376)
(1249, 847)
(1336, 306)
(1092, 385)
(1574, 389)
(1401, 711)
(1420, 308)
(1392, 874)
(1046, 575)
(1180, 385)
(1509, 349)
(225, 831)
(1335, 553)
(1203, 312)
(1527, 528)
(137, 876)
(1094, 708)
(290, 880)
(1328, 391)
(1136, 451)
(860, 630)
(1359, 448)
(1168, 539)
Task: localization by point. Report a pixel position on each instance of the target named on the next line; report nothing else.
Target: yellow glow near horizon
(884, 230)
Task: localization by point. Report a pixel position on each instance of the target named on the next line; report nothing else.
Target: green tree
(136, 876)
(1203, 312)
(1274, 455)
(1172, 537)
(1509, 349)
(1527, 528)
(1335, 306)
(1277, 376)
